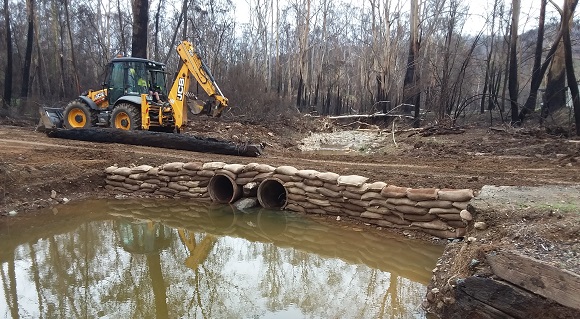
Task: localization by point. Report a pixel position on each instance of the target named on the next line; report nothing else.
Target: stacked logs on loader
(438, 212)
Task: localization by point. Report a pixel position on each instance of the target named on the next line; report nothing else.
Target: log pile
(438, 212)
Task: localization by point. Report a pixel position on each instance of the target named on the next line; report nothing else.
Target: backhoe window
(137, 78)
(115, 84)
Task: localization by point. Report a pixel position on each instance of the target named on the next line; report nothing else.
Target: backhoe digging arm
(192, 64)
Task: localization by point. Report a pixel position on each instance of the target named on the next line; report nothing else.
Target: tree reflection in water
(166, 260)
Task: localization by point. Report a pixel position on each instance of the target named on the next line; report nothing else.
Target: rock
(435, 290)
(12, 213)
(480, 225)
(53, 194)
(474, 263)
(466, 215)
(430, 296)
(65, 200)
(338, 218)
(449, 300)
(245, 203)
(471, 239)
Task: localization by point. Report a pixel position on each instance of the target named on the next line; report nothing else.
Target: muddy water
(184, 259)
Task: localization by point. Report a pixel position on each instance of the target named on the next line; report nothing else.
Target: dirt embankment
(37, 171)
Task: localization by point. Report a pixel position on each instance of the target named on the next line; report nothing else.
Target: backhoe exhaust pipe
(272, 193)
(223, 189)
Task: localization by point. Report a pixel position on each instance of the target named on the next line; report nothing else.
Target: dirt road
(32, 165)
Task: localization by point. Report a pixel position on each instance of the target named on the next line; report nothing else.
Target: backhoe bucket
(51, 117)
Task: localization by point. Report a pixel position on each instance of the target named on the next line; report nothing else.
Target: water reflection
(168, 259)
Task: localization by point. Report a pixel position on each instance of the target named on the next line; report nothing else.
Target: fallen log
(157, 139)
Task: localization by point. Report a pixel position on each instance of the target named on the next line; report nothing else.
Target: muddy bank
(519, 260)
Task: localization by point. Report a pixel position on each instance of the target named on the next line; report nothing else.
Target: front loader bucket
(51, 117)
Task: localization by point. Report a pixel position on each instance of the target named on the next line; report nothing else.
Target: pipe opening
(223, 189)
(272, 193)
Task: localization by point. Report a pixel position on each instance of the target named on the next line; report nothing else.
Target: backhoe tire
(78, 115)
(126, 116)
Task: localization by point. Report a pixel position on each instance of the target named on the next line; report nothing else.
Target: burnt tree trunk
(569, 6)
(156, 139)
(8, 71)
(513, 61)
(140, 21)
(28, 55)
(536, 74)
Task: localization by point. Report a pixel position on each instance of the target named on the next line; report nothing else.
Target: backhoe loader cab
(125, 101)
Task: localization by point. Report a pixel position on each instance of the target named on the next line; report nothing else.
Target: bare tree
(140, 24)
(412, 93)
(536, 75)
(28, 55)
(8, 70)
(513, 61)
(569, 6)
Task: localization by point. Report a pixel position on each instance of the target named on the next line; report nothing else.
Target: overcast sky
(530, 10)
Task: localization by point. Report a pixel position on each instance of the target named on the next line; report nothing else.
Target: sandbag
(358, 189)
(250, 174)
(379, 210)
(110, 169)
(456, 195)
(187, 172)
(350, 195)
(125, 171)
(139, 176)
(265, 168)
(212, 166)
(419, 194)
(328, 193)
(262, 176)
(376, 186)
(372, 195)
(286, 170)
(189, 184)
(328, 177)
(117, 178)
(314, 182)
(318, 202)
(168, 173)
(435, 225)
(435, 204)
(460, 205)
(334, 187)
(352, 180)
(392, 191)
(141, 169)
(206, 173)
(193, 166)
(450, 217)
(307, 173)
(226, 173)
(172, 167)
(132, 181)
(437, 210)
(177, 187)
(234, 168)
(401, 201)
(406, 209)
(182, 178)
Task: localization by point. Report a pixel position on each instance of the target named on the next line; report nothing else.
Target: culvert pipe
(272, 193)
(223, 189)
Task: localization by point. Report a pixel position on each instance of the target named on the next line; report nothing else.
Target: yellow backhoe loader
(135, 96)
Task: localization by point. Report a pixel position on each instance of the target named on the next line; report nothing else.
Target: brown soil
(32, 165)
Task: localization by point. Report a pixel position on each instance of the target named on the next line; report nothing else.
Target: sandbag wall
(438, 212)
(181, 180)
